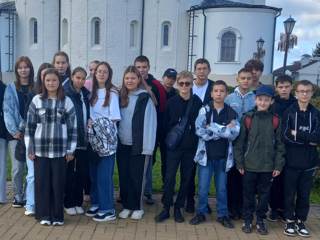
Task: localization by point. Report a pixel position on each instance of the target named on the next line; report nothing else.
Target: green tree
(316, 51)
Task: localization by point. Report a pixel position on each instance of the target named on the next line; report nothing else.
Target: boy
(216, 126)
(241, 100)
(256, 67)
(168, 80)
(259, 157)
(301, 125)
(283, 100)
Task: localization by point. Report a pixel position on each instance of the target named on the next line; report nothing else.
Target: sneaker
(190, 208)
(149, 200)
(79, 210)
(137, 214)
(178, 215)
(124, 213)
(28, 212)
(70, 211)
(289, 228)
(104, 217)
(273, 216)
(247, 227)
(17, 204)
(92, 212)
(301, 229)
(45, 222)
(57, 223)
(164, 215)
(197, 219)
(225, 221)
(261, 227)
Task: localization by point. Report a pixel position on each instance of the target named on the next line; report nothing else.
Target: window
(228, 47)
(133, 34)
(165, 35)
(96, 31)
(33, 31)
(64, 35)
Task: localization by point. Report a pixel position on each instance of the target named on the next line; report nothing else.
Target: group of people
(71, 128)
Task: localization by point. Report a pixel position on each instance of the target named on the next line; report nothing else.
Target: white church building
(172, 33)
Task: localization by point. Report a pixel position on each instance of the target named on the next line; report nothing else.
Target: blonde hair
(185, 74)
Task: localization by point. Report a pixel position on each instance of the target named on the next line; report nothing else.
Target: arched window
(228, 47)
(33, 31)
(133, 34)
(165, 34)
(96, 31)
(64, 35)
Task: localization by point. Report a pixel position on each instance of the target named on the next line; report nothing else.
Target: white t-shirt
(112, 111)
(200, 91)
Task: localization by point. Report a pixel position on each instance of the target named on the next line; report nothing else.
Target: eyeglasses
(307, 92)
(181, 84)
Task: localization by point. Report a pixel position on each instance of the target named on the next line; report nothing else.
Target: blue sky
(307, 28)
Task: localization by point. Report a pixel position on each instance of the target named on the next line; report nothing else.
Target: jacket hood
(137, 92)
(237, 91)
(291, 99)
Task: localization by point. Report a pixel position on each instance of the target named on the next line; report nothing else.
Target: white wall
(310, 73)
(4, 43)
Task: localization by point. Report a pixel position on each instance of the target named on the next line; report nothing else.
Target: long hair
(38, 84)
(108, 86)
(44, 91)
(27, 61)
(63, 54)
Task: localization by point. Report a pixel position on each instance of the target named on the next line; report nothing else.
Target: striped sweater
(51, 129)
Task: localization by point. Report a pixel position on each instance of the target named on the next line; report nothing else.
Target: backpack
(248, 122)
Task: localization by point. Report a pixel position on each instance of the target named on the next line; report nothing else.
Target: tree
(316, 52)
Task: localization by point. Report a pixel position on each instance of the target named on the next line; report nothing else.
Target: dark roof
(8, 7)
(229, 4)
(293, 68)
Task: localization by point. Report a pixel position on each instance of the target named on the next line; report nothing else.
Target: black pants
(234, 188)
(276, 194)
(75, 177)
(192, 186)
(256, 182)
(184, 158)
(297, 188)
(132, 177)
(49, 176)
(163, 152)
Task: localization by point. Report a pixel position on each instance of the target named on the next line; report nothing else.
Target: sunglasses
(181, 84)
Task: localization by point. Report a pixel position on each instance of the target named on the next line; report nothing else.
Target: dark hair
(305, 83)
(220, 82)
(284, 78)
(95, 61)
(27, 61)
(254, 64)
(202, 61)
(142, 58)
(108, 85)
(244, 70)
(79, 69)
(63, 54)
(38, 85)
(44, 92)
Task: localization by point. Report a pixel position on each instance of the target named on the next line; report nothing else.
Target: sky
(307, 27)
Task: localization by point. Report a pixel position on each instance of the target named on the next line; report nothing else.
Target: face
(131, 81)
(92, 68)
(304, 93)
(256, 74)
(202, 71)
(244, 80)
(168, 82)
(24, 72)
(218, 93)
(283, 89)
(263, 102)
(78, 80)
(61, 64)
(143, 68)
(184, 85)
(51, 83)
(102, 75)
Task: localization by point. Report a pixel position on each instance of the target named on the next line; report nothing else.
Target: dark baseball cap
(170, 73)
(265, 90)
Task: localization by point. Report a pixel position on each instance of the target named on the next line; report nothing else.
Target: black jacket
(3, 129)
(207, 96)
(280, 105)
(301, 151)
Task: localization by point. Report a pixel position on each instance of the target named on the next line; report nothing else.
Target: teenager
(39, 78)
(137, 135)
(259, 157)
(15, 105)
(183, 154)
(217, 127)
(77, 168)
(168, 80)
(51, 119)
(104, 107)
(256, 67)
(301, 126)
(61, 62)
(241, 100)
(92, 67)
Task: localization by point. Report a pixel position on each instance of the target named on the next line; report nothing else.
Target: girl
(51, 137)
(43, 67)
(15, 105)
(61, 62)
(77, 168)
(104, 103)
(137, 135)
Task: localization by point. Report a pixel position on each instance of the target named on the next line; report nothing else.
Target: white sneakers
(137, 214)
(74, 211)
(28, 213)
(125, 213)
(79, 210)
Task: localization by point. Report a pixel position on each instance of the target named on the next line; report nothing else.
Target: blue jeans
(218, 169)
(30, 186)
(101, 175)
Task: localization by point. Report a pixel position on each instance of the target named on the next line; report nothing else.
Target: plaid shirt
(51, 129)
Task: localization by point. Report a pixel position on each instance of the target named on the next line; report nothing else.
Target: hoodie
(280, 105)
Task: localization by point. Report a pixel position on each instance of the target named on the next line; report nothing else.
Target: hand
(275, 173)
(90, 123)
(232, 124)
(294, 133)
(69, 157)
(241, 171)
(31, 156)
(18, 136)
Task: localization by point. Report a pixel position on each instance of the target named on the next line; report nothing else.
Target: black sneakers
(149, 200)
(178, 215)
(17, 204)
(247, 227)
(261, 227)
(273, 216)
(289, 228)
(164, 215)
(197, 219)
(225, 221)
(301, 229)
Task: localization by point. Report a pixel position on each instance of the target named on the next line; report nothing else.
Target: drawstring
(310, 122)
(295, 126)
